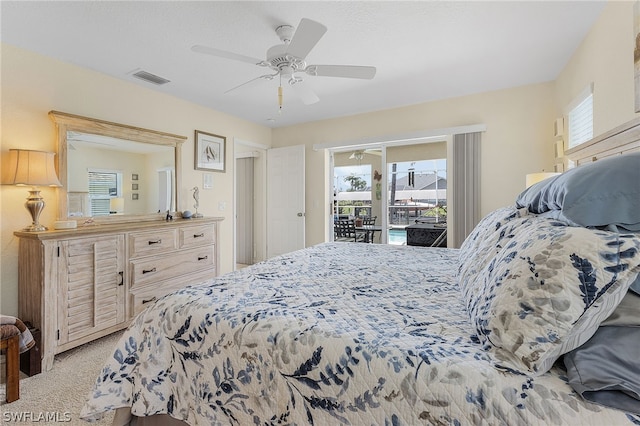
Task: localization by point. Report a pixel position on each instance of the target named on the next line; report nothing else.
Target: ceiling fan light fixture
(285, 33)
(356, 155)
(293, 80)
(288, 58)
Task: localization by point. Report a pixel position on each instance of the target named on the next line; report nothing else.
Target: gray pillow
(605, 192)
(605, 369)
(627, 313)
(635, 287)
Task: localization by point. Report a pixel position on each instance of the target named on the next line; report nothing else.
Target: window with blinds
(580, 118)
(103, 186)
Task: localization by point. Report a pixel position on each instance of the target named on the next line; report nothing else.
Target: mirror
(115, 172)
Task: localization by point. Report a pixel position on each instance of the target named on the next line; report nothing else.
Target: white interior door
(285, 200)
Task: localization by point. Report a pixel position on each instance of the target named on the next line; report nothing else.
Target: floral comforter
(339, 333)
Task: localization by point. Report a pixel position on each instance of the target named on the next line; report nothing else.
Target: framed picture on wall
(209, 152)
(559, 149)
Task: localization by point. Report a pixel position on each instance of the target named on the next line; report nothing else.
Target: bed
(355, 334)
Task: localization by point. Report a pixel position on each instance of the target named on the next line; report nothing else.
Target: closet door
(285, 200)
(91, 293)
(244, 212)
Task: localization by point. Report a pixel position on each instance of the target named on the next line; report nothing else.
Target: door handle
(121, 274)
(300, 214)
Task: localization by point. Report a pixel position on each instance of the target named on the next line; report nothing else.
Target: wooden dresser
(81, 284)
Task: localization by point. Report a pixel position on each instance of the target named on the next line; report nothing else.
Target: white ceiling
(423, 50)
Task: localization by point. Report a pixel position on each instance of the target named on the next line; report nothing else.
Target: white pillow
(545, 289)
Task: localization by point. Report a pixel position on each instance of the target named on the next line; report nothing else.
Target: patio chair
(345, 230)
(367, 236)
(371, 220)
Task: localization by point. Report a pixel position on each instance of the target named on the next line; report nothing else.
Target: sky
(364, 171)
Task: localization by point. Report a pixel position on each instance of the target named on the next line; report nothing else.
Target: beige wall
(519, 137)
(32, 85)
(519, 140)
(605, 58)
(80, 159)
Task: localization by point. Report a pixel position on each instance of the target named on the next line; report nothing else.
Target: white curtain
(466, 185)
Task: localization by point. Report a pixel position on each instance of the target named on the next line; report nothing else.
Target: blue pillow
(635, 287)
(605, 369)
(602, 193)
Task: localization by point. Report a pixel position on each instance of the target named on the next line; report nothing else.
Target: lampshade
(116, 205)
(35, 168)
(533, 178)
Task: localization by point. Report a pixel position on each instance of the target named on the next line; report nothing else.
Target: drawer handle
(158, 241)
(203, 257)
(145, 301)
(146, 271)
(121, 274)
(198, 235)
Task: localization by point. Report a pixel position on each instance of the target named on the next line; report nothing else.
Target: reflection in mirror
(115, 172)
(110, 176)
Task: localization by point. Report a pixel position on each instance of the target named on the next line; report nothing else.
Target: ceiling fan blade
(227, 55)
(264, 77)
(307, 95)
(347, 71)
(305, 38)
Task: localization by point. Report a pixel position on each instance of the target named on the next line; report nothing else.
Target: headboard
(620, 140)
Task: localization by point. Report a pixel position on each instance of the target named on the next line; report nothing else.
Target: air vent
(151, 78)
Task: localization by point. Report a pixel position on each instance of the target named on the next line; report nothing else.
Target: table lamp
(33, 168)
(533, 178)
(116, 205)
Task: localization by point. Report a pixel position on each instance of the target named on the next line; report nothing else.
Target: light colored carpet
(63, 390)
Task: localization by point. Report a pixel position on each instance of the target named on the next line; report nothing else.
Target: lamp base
(35, 228)
(35, 205)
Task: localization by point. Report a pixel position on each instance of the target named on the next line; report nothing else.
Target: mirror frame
(69, 122)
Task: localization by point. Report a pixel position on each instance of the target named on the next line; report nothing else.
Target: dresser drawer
(192, 236)
(147, 295)
(152, 242)
(159, 268)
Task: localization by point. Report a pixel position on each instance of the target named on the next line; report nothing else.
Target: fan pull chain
(280, 95)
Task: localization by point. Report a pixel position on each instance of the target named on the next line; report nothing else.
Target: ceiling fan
(288, 59)
(359, 154)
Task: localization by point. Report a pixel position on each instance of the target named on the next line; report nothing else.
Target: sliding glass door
(357, 193)
(385, 189)
(416, 188)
